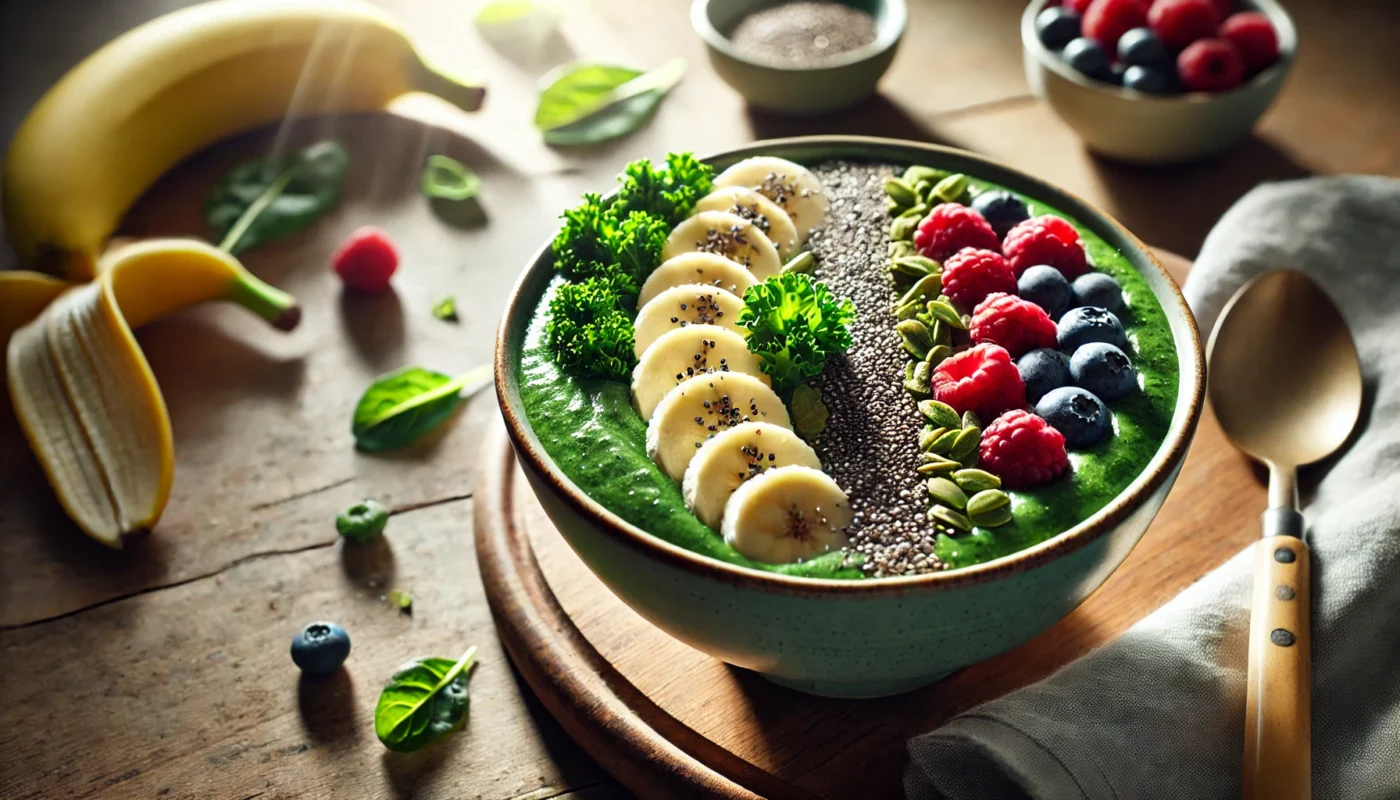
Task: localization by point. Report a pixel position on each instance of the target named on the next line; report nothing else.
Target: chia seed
(803, 34)
(870, 446)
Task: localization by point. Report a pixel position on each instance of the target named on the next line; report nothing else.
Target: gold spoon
(1286, 386)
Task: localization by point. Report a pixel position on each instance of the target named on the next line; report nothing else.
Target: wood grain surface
(165, 668)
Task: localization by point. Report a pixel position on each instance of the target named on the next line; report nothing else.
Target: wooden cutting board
(669, 721)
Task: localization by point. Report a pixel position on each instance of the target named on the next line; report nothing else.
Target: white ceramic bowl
(1151, 129)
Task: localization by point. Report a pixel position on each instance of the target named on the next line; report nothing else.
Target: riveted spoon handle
(1278, 708)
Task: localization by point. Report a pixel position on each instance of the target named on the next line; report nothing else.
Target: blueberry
(1141, 47)
(1056, 26)
(1078, 415)
(1085, 324)
(1047, 288)
(1103, 369)
(1149, 80)
(1098, 289)
(1002, 209)
(320, 648)
(1115, 75)
(1087, 56)
(1042, 371)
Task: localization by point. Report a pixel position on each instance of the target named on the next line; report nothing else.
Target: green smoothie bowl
(849, 412)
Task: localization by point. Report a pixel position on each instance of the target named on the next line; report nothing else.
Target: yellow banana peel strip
(85, 395)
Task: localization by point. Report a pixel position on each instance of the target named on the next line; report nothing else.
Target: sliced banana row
(715, 425)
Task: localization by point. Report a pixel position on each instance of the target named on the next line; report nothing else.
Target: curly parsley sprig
(670, 192)
(795, 323)
(589, 333)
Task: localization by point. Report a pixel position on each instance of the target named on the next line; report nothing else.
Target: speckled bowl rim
(887, 36)
(1287, 53)
(1158, 470)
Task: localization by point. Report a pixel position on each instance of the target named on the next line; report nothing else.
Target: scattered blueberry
(1103, 369)
(320, 648)
(1078, 415)
(1002, 209)
(1141, 47)
(1056, 26)
(1115, 75)
(1148, 80)
(1042, 371)
(1046, 287)
(1080, 326)
(1098, 289)
(1087, 56)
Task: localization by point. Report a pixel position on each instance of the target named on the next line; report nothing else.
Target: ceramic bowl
(840, 82)
(1151, 129)
(873, 637)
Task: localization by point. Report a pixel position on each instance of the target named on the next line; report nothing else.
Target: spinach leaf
(426, 698)
(591, 103)
(271, 198)
(446, 178)
(399, 408)
(446, 308)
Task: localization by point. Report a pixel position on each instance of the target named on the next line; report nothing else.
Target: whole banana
(105, 132)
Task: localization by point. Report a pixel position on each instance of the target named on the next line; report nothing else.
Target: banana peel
(83, 391)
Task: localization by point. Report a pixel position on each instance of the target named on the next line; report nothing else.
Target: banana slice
(728, 235)
(685, 305)
(707, 406)
(792, 186)
(706, 268)
(684, 353)
(787, 514)
(723, 463)
(767, 215)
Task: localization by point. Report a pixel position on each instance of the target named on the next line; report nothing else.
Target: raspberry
(950, 227)
(1023, 450)
(981, 380)
(1254, 36)
(1210, 65)
(1045, 240)
(1180, 22)
(970, 275)
(366, 260)
(1017, 325)
(1106, 20)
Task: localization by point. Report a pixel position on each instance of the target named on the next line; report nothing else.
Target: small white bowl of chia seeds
(801, 56)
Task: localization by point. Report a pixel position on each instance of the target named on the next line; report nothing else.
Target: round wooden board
(670, 722)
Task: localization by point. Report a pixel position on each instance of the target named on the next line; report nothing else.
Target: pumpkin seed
(928, 436)
(951, 518)
(943, 445)
(947, 493)
(899, 249)
(976, 480)
(966, 443)
(943, 310)
(906, 311)
(995, 518)
(936, 467)
(918, 172)
(802, 262)
(951, 189)
(942, 334)
(927, 286)
(986, 500)
(937, 355)
(903, 228)
(901, 192)
(907, 268)
(940, 414)
(924, 189)
(923, 373)
(970, 420)
(917, 211)
(908, 370)
(892, 207)
(916, 388)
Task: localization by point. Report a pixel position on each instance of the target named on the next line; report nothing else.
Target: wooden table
(163, 672)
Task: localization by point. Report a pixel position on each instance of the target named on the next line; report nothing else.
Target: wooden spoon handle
(1278, 708)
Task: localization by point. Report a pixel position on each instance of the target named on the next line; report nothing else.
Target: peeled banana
(728, 235)
(787, 514)
(792, 187)
(704, 268)
(22, 296)
(702, 407)
(767, 215)
(85, 395)
(724, 463)
(684, 305)
(108, 129)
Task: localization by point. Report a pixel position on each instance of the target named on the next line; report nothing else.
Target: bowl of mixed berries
(1158, 81)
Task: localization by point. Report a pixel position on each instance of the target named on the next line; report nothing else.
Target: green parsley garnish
(795, 323)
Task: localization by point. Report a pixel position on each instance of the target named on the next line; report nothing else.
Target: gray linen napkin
(1159, 712)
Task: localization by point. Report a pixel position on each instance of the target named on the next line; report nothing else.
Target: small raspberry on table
(1045, 240)
(1019, 326)
(969, 275)
(982, 379)
(1023, 450)
(950, 227)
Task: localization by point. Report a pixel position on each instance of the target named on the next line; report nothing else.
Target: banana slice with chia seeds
(787, 514)
(706, 406)
(724, 463)
(767, 215)
(705, 268)
(685, 305)
(791, 186)
(728, 235)
(684, 353)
